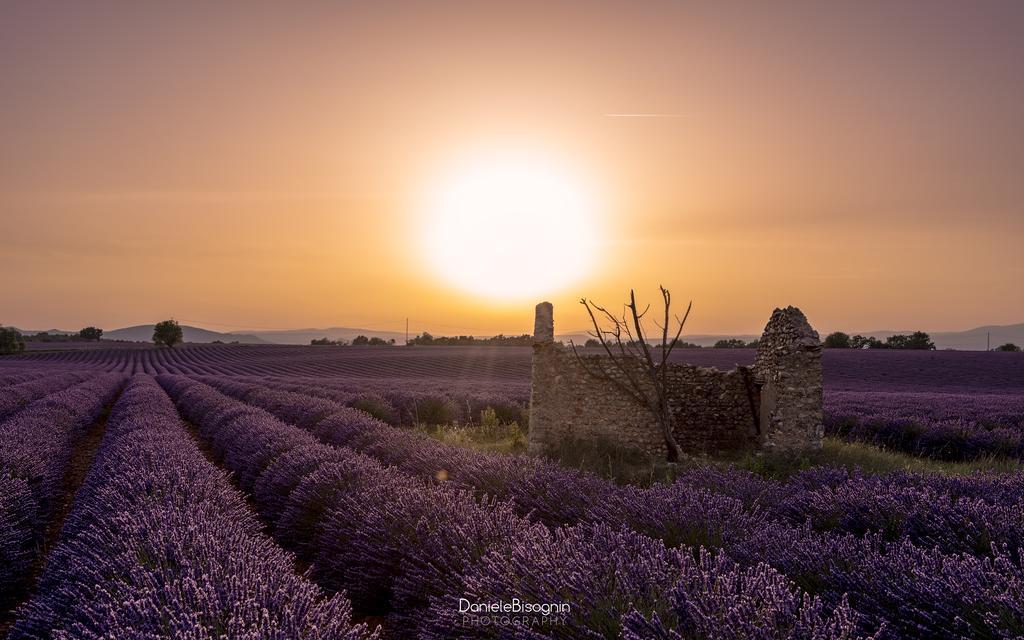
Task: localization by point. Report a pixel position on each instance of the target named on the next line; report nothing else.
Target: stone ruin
(774, 405)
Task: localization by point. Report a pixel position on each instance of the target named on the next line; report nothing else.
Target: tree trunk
(675, 452)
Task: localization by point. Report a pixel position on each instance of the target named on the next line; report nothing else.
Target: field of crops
(279, 492)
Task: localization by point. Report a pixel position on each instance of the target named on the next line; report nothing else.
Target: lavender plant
(158, 545)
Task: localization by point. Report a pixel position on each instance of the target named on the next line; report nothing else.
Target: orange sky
(247, 166)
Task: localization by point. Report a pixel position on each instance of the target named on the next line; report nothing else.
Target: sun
(510, 226)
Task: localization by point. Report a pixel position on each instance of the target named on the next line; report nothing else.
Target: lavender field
(281, 492)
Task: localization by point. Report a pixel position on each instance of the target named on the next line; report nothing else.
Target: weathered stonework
(788, 367)
(776, 404)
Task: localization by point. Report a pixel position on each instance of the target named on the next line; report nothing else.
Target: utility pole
(407, 332)
(988, 341)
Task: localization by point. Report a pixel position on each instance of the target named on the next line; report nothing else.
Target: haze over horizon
(963, 338)
(269, 167)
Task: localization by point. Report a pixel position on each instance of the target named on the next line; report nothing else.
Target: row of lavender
(480, 363)
(538, 488)
(833, 533)
(410, 549)
(410, 402)
(943, 426)
(37, 446)
(937, 425)
(956, 522)
(157, 543)
(18, 392)
(844, 369)
(16, 376)
(966, 405)
(835, 500)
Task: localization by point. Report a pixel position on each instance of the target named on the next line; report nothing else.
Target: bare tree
(634, 368)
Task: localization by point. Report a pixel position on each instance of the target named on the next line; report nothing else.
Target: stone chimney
(788, 367)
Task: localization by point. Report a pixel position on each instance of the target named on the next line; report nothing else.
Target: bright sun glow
(514, 226)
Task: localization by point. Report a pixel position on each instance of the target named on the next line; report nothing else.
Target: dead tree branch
(633, 368)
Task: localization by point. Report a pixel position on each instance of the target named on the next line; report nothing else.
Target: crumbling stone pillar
(544, 323)
(544, 377)
(788, 367)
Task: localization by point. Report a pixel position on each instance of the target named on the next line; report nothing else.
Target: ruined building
(774, 405)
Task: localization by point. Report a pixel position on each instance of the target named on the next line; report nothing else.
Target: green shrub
(11, 340)
(489, 417)
(434, 411)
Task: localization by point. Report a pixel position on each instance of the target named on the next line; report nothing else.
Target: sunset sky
(251, 166)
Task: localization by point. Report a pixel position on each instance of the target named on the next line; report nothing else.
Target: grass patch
(869, 459)
(875, 460)
(626, 466)
(491, 438)
(630, 466)
(604, 457)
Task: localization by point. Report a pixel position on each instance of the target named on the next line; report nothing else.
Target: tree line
(169, 333)
(500, 340)
(917, 340)
(358, 341)
(13, 341)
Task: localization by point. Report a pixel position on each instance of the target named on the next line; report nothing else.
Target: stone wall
(568, 403)
(776, 404)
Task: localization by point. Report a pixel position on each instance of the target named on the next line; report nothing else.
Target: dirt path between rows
(301, 566)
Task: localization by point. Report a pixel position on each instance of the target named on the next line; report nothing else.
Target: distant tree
(917, 340)
(898, 341)
(90, 333)
(862, 342)
(167, 333)
(731, 343)
(682, 344)
(360, 341)
(623, 340)
(920, 340)
(1009, 346)
(753, 344)
(11, 340)
(837, 340)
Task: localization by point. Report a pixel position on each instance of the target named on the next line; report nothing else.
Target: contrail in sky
(644, 115)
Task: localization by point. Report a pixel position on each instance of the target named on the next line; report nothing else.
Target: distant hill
(303, 336)
(144, 333)
(974, 339)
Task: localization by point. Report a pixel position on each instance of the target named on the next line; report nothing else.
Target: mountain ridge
(144, 333)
